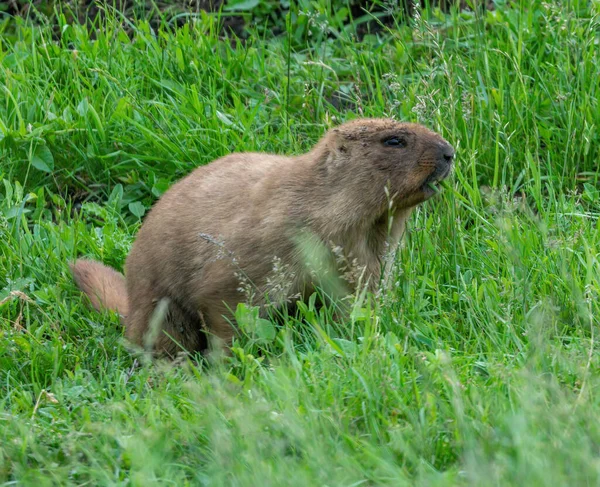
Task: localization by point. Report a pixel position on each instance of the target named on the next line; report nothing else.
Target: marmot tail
(104, 286)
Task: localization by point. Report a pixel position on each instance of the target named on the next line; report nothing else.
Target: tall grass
(481, 367)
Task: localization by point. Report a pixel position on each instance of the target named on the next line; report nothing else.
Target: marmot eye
(395, 142)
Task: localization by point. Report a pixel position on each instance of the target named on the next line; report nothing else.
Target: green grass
(481, 365)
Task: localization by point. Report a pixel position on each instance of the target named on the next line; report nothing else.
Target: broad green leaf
(137, 209)
(241, 5)
(265, 330)
(42, 158)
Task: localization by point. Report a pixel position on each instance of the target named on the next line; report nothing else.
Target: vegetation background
(480, 367)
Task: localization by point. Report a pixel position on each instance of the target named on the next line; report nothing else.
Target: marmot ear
(331, 157)
(336, 148)
(327, 159)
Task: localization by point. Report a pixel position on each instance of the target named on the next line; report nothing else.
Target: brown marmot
(237, 217)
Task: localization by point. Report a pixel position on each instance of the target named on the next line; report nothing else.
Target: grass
(480, 367)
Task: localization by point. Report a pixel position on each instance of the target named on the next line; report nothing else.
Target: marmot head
(407, 158)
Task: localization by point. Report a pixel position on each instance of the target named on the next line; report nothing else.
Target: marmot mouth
(430, 185)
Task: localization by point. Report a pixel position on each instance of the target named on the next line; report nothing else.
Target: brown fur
(235, 215)
(105, 287)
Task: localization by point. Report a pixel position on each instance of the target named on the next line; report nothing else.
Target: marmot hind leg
(166, 328)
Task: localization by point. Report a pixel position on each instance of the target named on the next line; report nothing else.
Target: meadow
(479, 367)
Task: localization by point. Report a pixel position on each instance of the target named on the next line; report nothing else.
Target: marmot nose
(448, 153)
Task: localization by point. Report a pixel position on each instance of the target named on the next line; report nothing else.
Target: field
(479, 367)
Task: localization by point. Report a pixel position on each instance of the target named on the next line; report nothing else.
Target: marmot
(231, 219)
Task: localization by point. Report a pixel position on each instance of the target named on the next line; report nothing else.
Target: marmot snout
(242, 215)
